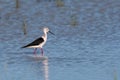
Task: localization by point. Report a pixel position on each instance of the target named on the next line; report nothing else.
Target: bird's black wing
(35, 42)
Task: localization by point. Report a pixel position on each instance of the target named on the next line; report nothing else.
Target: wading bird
(39, 42)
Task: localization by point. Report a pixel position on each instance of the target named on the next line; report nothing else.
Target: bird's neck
(45, 35)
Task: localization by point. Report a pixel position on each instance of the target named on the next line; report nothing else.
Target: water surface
(86, 45)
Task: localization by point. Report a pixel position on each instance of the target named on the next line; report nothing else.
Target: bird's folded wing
(35, 42)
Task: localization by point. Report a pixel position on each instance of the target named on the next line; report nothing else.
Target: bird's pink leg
(35, 50)
(42, 51)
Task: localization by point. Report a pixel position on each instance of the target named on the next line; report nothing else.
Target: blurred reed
(59, 3)
(24, 27)
(74, 21)
(17, 4)
(38, 0)
(44, 0)
(115, 75)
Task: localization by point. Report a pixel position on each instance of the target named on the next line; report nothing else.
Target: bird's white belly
(34, 46)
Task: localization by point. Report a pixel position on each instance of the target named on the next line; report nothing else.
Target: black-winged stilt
(39, 42)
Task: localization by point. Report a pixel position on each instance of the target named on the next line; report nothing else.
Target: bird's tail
(24, 47)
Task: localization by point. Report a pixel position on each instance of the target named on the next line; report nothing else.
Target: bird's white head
(46, 29)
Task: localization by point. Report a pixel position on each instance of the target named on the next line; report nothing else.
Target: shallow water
(86, 50)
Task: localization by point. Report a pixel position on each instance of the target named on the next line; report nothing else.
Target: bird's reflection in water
(46, 69)
(41, 67)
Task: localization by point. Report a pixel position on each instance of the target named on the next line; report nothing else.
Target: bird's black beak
(51, 33)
